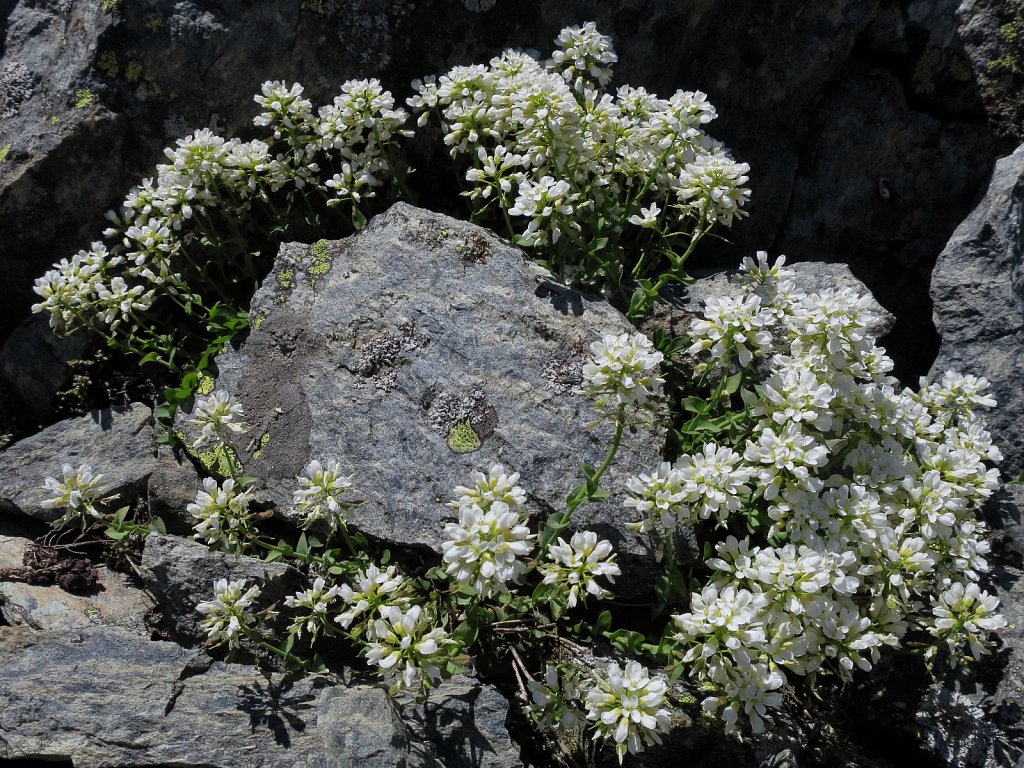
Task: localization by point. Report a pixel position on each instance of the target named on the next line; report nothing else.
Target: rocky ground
(873, 130)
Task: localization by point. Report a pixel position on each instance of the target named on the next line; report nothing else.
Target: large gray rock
(104, 697)
(978, 290)
(384, 349)
(115, 442)
(180, 573)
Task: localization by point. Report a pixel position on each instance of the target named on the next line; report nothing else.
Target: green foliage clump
(84, 98)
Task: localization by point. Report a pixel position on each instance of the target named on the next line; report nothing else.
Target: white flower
(222, 514)
(714, 481)
(217, 417)
(659, 497)
(623, 370)
(625, 705)
(372, 589)
(496, 485)
(314, 601)
(77, 493)
(647, 218)
(408, 648)
(320, 495)
(556, 701)
(733, 325)
(484, 548)
(584, 53)
(712, 185)
(578, 563)
(227, 614)
(965, 613)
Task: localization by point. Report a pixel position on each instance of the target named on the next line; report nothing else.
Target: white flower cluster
(484, 549)
(623, 705)
(217, 417)
(623, 370)
(76, 493)
(228, 613)
(575, 566)
(222, 515)
(321, 495)
(865, 495)
(312, 605)
(146, 254)
(550, 145)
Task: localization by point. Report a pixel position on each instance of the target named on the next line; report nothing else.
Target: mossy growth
(313, 6)
(206, 384)
(106, 62)
(257, 322)
(153, 22)
(1011, 35)
(4, 152)
(109, 5)
(286, 278)
(133, 71)
(264, 440)
(463, 438)
(84, 98)
(322, 260)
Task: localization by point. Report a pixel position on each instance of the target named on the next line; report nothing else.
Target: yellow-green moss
(257, 322)
(206, 384)
(153, 22)
(219, 459)
(107, 63)
(312, 6)
(109, 5)
(463, 438)
(4, 152)
(286, 278)
(264, 439)
(84, 98)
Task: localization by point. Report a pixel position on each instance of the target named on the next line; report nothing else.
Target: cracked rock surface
(429, 349)
(978, 291)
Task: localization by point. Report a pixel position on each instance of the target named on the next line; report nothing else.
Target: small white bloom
(625, 705)
(623, 370)
(577, 564)
(227, 613)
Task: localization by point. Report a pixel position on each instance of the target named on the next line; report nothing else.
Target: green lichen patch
(286, 278)
(322, 261)
(133, 71)
(221, 459)
(4, 152)
(257, 322)
(206, 384)
(84, 98)
(463, 438)
(261, 445)
(107, 64)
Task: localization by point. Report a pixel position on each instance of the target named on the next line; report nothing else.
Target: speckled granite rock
(978, 290)
(115, 442)
(416, 352)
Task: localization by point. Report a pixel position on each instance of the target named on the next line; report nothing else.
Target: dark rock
(34, 362)
(172, 486)
(463, 724)
(115, 442)
(180, 574)
(104, 697)
(402, 339)
(978, 290)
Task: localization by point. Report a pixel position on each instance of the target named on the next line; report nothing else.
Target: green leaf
(302, 546)
(289, 641)
(604, 621)
(358, 218)
(733, 383)
(157, 524)
(116, 534)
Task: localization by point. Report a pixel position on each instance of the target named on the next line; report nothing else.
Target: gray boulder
(180, 574)
(115, 442)
(978, 291)
(419, 351)
(104, 697)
